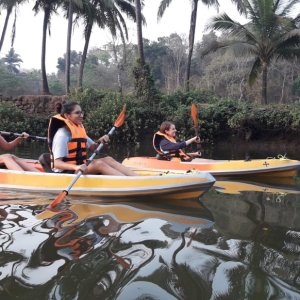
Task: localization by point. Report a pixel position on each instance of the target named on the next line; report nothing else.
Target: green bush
(15, 120)
(218, 118)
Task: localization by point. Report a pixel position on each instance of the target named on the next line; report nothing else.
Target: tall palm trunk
(119, 68)
(138, 12)
(45, 87)
(264, 84)
(8, 12)
(84, 54)
(68, 51)
(191, 43)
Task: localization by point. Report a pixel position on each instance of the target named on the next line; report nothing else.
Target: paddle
(34, 137)
(118, 123)
(194, 114)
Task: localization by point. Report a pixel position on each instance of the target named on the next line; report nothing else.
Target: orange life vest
(168, 155)
(77, 146)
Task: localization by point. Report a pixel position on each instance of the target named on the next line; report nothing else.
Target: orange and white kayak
(157, 185)
(274, 167)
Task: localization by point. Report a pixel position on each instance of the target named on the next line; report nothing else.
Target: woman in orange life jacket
(165, 144)
(68, 143)
(11, 161)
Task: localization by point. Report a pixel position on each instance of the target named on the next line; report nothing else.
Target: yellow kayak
(270, 167)
(157, 185)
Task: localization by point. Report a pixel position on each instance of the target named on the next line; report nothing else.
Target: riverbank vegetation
(219, 118)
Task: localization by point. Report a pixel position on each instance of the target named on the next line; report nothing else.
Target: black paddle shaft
(20, 134)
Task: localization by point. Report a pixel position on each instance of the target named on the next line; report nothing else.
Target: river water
(241, 240)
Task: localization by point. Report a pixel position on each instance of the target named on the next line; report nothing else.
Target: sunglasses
(79, 112)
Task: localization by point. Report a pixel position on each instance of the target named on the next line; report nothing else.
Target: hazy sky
(29, 30)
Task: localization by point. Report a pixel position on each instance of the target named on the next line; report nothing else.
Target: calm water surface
(241, 240)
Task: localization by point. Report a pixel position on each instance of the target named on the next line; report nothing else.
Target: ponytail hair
(65, 108)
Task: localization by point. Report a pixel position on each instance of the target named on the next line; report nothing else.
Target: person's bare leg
(117, 166)
(100, 166)
(8, 161)
(25, 166)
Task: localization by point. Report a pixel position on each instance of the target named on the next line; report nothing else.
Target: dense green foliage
(15, 120)
(218, 118)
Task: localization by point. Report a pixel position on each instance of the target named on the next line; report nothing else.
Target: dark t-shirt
(166, 145)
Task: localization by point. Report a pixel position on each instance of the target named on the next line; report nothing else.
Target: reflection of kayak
(155, 184)
(274, 186)
(275, 167)
(134, 212)
(243, 208)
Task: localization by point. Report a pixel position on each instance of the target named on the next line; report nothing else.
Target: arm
(10, 145)
(166, 145)
(60, 164)
(93, 146)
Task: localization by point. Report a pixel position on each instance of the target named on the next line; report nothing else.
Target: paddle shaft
(99, 148)
(194, 114)
(19, 134)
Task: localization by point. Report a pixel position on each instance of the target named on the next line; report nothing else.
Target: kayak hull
(269, 167)
(167, 186)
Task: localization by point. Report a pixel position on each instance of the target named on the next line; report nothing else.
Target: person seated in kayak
(165, 144)
(69, 143)
(10, 161)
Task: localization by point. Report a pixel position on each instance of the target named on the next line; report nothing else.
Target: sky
(29, 30)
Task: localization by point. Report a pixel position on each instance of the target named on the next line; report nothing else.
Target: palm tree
(8, 5)
(69, 7)
(105, 14)
(269, 35)
(12, 61)
(49, 7)
(139, 19)
(162, 7)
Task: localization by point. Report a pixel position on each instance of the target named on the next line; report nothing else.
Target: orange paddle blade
(194, 113)
(121, 118)
(58, 199)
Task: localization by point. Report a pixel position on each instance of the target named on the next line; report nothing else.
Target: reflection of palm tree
(12, 61)
(270, 35)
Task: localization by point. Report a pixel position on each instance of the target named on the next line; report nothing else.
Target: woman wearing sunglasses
(69, 143)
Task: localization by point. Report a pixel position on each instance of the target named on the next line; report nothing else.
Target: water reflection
(79, 252)
(236, 243)
(260, 232)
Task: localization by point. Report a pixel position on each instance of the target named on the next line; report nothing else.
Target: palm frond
(209, 3)
(225, 24)
(222, 22)
(288, 53)
(120, 20)
(289, 8)
(288, 40)
(241, 6)
(162, 7)
(127, 8)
